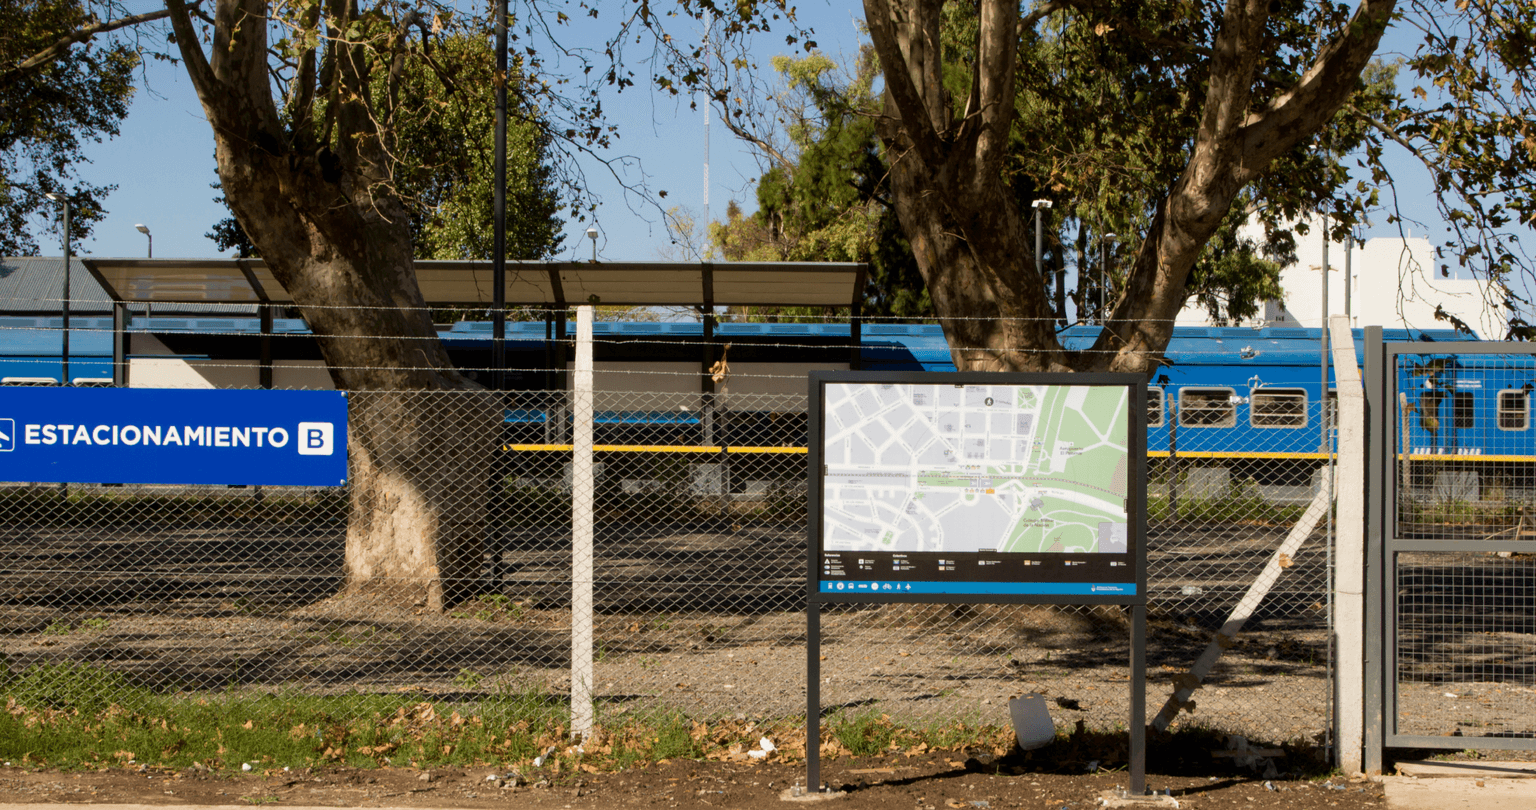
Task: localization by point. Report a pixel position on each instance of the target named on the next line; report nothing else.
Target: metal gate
(1451, 554)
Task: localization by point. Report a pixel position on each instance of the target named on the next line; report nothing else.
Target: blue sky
(163, 162)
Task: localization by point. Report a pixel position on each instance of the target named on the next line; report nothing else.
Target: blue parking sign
(173, 436)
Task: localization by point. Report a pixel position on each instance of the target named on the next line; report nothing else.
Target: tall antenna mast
(709, 22)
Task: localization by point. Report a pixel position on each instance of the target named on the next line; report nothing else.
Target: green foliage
(445, 148)
(444, 155)
(1469, 117)
(76, 715)
(864, 734)
(827, 199)
(68, 686)
(50, 113)
(1240, 501)
(1107, 116)
(490, 607)
(72, 716)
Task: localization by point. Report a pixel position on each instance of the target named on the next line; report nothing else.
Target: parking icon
(316, 439)
(7, 435)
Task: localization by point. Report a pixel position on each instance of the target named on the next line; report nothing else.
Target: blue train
(1245, 396)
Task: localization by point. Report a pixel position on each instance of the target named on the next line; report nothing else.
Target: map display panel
(978, 487)
(1036, 469)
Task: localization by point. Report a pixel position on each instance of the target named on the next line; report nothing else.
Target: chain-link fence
(1462, 642)
(699, 572)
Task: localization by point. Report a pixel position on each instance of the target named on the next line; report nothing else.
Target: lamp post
(592, 234)
(1061, 275)
(64, 202)
(499, 208)
(1104, 244)
(144, 229)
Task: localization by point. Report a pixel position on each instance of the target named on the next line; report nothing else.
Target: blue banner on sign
(998, 588)
(173, 436)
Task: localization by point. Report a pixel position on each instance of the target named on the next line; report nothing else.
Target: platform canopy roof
(469, 283)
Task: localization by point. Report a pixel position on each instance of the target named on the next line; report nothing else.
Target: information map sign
(977, 487)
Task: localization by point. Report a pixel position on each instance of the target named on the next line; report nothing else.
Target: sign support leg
(1138, 725)
(812, 697)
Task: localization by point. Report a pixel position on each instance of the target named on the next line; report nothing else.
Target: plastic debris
(245, 766)
(765, 747)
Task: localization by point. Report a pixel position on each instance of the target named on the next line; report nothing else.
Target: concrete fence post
(581, 530)
(1349, 556)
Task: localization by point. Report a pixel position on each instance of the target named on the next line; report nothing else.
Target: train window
(1462, 410)
(1514, 410)
(28, 381)
(1278, 408)
(1207, 407)
(1154, 407)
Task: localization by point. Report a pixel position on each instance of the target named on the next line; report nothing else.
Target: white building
(1394, 282)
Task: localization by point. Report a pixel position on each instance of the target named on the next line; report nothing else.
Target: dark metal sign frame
(1136, 531)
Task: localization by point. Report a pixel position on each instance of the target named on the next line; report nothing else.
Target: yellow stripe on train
(1191, 454)
(652, 448)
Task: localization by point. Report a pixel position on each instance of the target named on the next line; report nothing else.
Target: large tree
(310, 175)
(444, 155)
(305, 103)
(1256, 80)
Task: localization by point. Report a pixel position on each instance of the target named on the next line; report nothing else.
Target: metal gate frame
(1383, 545)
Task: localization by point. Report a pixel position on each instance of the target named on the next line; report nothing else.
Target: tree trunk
(336, 237)
(973, 261)
(420, 462)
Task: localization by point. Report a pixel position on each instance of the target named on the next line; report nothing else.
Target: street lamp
(1104, 273)
(64, 201)
(1061, 275)
(144, 229)
(592, 234)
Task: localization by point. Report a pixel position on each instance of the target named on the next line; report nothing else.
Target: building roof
(34, 285)
(469, 283)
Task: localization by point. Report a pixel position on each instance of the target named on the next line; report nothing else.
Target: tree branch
(1294, 115)
(998, 50)
(910, 101)
(57, 49)
(198, 69)
(1039, 13)
(773, 152)
(301, 109)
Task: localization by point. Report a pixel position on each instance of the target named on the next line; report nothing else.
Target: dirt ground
(928, 782)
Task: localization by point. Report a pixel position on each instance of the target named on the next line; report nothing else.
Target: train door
(1437, 407)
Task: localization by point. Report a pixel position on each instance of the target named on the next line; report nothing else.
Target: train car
(1466, 423)
(1242, 397)
(31, 350)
